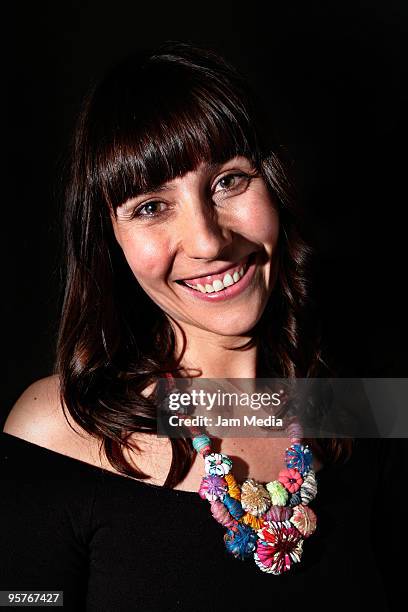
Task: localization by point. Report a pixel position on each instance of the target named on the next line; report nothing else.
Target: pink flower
(291, 479)
(278, 547)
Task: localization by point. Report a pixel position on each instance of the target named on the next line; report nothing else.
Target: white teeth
(219, 285)
(228, 280)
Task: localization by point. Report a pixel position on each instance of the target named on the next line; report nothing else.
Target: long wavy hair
(152, 118)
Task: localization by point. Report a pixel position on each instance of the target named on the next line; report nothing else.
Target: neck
(216, 356)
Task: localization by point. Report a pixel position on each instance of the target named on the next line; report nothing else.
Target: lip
(209, 277)
(228, 292)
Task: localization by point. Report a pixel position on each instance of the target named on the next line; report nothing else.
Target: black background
(334, 76)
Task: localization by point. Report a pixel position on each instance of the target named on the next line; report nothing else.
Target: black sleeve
(45, 511)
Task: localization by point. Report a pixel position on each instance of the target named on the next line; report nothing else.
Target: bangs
(158, 121)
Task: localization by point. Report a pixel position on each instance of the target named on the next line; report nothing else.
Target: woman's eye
(150, 209)
(231, 181)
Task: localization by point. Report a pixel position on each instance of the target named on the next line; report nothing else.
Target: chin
(233, 326)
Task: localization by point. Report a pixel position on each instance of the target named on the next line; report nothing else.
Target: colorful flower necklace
(267, 522)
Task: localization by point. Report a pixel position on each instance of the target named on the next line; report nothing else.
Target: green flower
(277, 492)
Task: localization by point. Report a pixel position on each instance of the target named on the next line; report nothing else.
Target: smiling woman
(184, 256)
(211, 237)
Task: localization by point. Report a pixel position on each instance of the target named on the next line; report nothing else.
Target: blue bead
(200, 441)
(233, 506)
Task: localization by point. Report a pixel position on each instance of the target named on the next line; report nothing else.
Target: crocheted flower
(278, 547)
(217, 464)
(242, 542)
(213, 487)
(254, 497)
(304, 519)
(308, 490)
(277, 492)
(291, 479)
(298, 457)
(278, 514)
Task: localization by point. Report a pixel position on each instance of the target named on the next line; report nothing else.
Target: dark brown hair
(154, 117)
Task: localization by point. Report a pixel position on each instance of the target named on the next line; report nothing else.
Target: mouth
(225, 285)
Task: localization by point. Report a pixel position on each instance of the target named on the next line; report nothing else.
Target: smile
(225, 285)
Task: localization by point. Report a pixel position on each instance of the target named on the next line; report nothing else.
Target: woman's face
(215, 228)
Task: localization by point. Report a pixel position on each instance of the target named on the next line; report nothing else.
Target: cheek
(148, 256)
(260, 220)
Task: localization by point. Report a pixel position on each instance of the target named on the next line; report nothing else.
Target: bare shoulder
(38, 417)
(36, 410)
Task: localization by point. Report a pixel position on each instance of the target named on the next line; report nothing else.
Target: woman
(184, 257)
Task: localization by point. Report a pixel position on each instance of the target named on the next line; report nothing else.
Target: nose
(203, 237)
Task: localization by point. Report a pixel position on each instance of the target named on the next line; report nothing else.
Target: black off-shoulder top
(115, 544)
